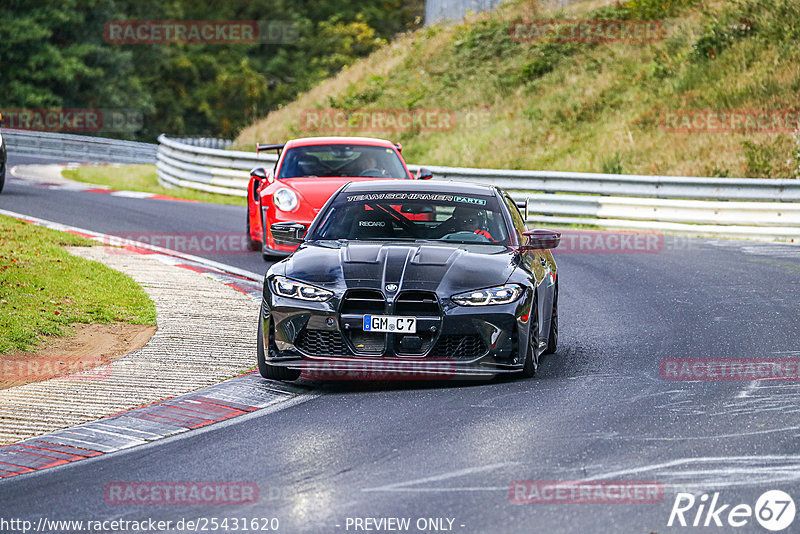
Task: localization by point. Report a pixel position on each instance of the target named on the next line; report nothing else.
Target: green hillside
(581, 106)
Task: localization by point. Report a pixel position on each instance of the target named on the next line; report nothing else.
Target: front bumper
(271, 247)
(327, 338)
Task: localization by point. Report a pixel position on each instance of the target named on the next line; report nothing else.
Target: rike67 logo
(774, 510)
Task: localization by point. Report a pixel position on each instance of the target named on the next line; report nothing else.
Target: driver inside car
(367, 165)
(466, 219)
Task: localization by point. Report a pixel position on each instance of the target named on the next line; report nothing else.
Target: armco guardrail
(724, 189)
(79, 148)
(205, 142)
(207, 169)
(735, 207)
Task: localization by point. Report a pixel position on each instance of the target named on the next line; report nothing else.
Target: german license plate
(390, 323)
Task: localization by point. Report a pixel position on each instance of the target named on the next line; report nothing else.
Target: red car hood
(317, 190)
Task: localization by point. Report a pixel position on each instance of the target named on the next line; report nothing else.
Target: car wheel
(252, 244)
(531, 360)
(2, 175)
(552, 338)
(271, 372)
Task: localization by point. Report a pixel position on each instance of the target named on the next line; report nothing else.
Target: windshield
(426, 216)
(342, 160)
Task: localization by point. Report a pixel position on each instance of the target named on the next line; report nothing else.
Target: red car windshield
(341, 160)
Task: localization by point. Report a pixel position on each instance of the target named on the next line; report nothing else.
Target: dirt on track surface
(80, 357)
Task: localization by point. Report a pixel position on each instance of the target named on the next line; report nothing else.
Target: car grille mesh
(367, 342)
(371, 301)
(459, 347)
(320, 342)
(422, 303)
(363, 301)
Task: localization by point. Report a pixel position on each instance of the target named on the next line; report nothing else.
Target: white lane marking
(400, 486)
(132, 194)
(718, 436)
(780, 251)
(747, 460)
(704, 472)
(749, 388)
(105, 239)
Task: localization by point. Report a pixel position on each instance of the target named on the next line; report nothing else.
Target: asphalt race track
(153, 220)
(598, 410)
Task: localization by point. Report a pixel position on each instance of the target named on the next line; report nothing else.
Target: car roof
(311, 141)
(431, 186)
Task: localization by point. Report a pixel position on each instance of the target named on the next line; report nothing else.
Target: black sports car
(411, 279)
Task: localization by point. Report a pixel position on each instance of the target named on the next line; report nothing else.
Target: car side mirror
(424, 174)
(288, 233)
(541, 240)
(261, 177)
(262, 174)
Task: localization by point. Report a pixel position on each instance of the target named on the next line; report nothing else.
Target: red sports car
(307, 173)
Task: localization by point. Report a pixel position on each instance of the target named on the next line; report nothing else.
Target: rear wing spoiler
(261, 147)
(524, 207)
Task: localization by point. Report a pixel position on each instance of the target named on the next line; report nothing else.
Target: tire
(531, 360)
(252, 244)
(271, 372)
(552, 338)
(270, 258)
(3, 163)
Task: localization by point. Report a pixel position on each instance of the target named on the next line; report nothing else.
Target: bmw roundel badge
(391, 287)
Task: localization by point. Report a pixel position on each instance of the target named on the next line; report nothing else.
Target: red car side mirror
(424, 174)
(262, 175)
(261, 178)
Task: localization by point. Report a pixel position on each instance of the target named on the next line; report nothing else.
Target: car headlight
(286, 287)
(285, 199)
(493, 295)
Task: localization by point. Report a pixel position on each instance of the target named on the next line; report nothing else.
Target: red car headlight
(285, 199)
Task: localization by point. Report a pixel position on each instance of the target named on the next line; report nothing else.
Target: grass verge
(44, 289)
(572, 106)
(142, 178)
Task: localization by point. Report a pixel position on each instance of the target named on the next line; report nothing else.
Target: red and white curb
(232, 398)
(56, 182)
